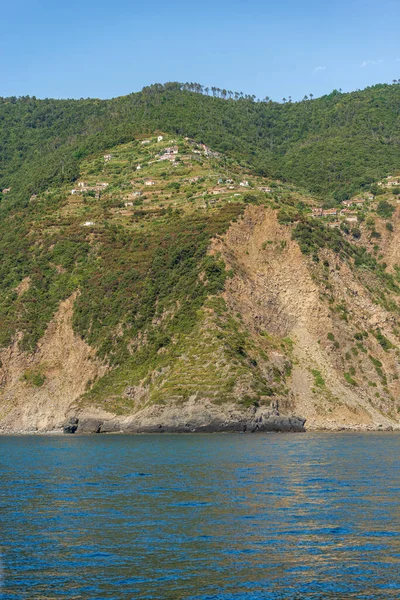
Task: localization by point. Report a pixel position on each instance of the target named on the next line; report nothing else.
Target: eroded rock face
(66, 364)
(276, 290)
(189, 418)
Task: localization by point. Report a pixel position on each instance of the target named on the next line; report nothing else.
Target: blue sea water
(246, 517)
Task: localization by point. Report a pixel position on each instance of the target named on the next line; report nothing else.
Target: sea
(219, 516)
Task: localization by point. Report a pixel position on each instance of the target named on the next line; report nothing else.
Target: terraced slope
(169, 288)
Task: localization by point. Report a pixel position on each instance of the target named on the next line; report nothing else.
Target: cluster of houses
(202, 149)
(391, 181)
(348, 211)
(84, 187)
(358, 201)
(169, 153)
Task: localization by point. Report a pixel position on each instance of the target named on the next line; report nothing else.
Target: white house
(160, 138)
(107, 157)
(244, 183)
(149, 182)
(88, 223)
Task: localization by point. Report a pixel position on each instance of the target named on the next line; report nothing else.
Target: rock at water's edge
(71, 426)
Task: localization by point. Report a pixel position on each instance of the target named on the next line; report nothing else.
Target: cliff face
(201, 297)
(38, 388)
(309, 355)
(341, 376)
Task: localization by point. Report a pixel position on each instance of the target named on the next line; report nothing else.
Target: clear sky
(106, 48)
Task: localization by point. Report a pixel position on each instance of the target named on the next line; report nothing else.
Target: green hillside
(132, 234)
(331, 145)
(185, 236)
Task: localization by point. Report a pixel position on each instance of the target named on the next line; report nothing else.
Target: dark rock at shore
(89, 425)
(271, 423)
(71, 426)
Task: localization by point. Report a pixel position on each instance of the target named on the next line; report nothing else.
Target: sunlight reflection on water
(207, 516)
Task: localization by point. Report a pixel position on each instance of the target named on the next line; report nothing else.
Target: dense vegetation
(332, 145)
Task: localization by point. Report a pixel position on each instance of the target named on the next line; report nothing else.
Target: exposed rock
(203, 417)
(71, 426)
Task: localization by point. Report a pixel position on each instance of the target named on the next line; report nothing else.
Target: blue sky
(285, 48)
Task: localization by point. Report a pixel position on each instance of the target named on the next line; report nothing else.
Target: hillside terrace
(134, 184)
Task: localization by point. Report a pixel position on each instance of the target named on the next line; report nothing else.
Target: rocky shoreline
(276, 424)
(190, 417)
(187, 418)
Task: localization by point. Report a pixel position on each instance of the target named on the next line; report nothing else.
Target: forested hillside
(332, 146)
(169, 259)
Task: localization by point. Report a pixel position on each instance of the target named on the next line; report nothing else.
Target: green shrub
(350, 380)
(319, 381)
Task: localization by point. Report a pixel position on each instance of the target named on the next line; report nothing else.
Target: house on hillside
(390, 181)
(145, 142)
(138, 168)
(6, 190)
(149, 182)
(171, 150)
(330, 212)
(88, 223)
(229, 181)
(107, 157)
(316, 211)
(267, 190)
(160, 138)
(82, 184)
(244, 183)
(354, 202)
(169, 153)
